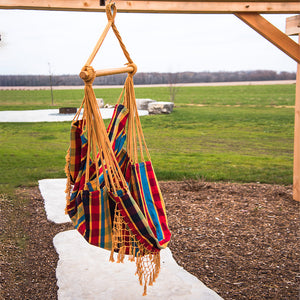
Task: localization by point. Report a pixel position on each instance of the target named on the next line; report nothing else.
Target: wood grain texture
(296, 176)
(157, 6)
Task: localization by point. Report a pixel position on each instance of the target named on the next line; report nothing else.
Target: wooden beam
(191, 7)
(292, 25)
(272, 34)
(105, 72)
(296, 175)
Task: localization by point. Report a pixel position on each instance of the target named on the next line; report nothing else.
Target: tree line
(147, 78)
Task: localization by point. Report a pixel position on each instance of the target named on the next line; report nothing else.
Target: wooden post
(293, 28)
(296, 178)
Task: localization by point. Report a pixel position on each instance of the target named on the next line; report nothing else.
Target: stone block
(156, 108)
(100, 102)
(142, 104)
(108, 106)
(67, 110)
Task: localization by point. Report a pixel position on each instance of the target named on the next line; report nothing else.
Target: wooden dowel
(114, 71)
(105, 72)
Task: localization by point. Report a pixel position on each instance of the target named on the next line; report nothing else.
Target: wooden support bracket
(272, 34)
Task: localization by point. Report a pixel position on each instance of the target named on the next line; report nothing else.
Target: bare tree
(173, 88)
(51, 83)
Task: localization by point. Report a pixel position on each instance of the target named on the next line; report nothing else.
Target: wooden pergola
(248, 11)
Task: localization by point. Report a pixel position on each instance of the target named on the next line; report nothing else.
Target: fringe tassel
(124, 242)
(112, 255)
(145, 289)
(68, 185)
(148, 268)
(121, 255)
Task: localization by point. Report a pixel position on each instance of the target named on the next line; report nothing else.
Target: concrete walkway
(85, 273)
(49, 115)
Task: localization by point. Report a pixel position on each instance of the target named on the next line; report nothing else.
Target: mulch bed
(238, 239)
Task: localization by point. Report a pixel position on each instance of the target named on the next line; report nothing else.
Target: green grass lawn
(268, 95)
(240, 134)
(240, 144)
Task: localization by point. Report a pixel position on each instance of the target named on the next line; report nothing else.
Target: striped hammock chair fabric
(113, 197)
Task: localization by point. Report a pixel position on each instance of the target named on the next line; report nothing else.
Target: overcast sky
(33, 40)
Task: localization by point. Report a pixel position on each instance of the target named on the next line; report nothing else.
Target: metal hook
(102, 2)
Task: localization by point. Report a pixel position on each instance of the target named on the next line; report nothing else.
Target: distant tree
(173, 88)
(51, 85)
(172, 79)
(2, 40)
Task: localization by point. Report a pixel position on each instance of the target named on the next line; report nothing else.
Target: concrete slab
(53, 192)
(84, 272)
(49, 115)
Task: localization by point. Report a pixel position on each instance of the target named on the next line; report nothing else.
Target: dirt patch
(238, 105)
(238, 239)
(28, 257)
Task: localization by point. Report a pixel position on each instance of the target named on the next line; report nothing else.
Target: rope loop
(88, 75)
(111, 11)
(134, 66)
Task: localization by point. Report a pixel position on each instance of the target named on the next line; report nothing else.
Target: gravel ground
(238, 239)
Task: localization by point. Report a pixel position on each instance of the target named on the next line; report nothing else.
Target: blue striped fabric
(149, 201)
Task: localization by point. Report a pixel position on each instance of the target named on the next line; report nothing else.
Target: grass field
(261, 96)
(231, 133)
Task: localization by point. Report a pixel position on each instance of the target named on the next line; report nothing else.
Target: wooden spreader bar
(84, 74)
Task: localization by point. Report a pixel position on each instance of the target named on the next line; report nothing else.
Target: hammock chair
(113, 196)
